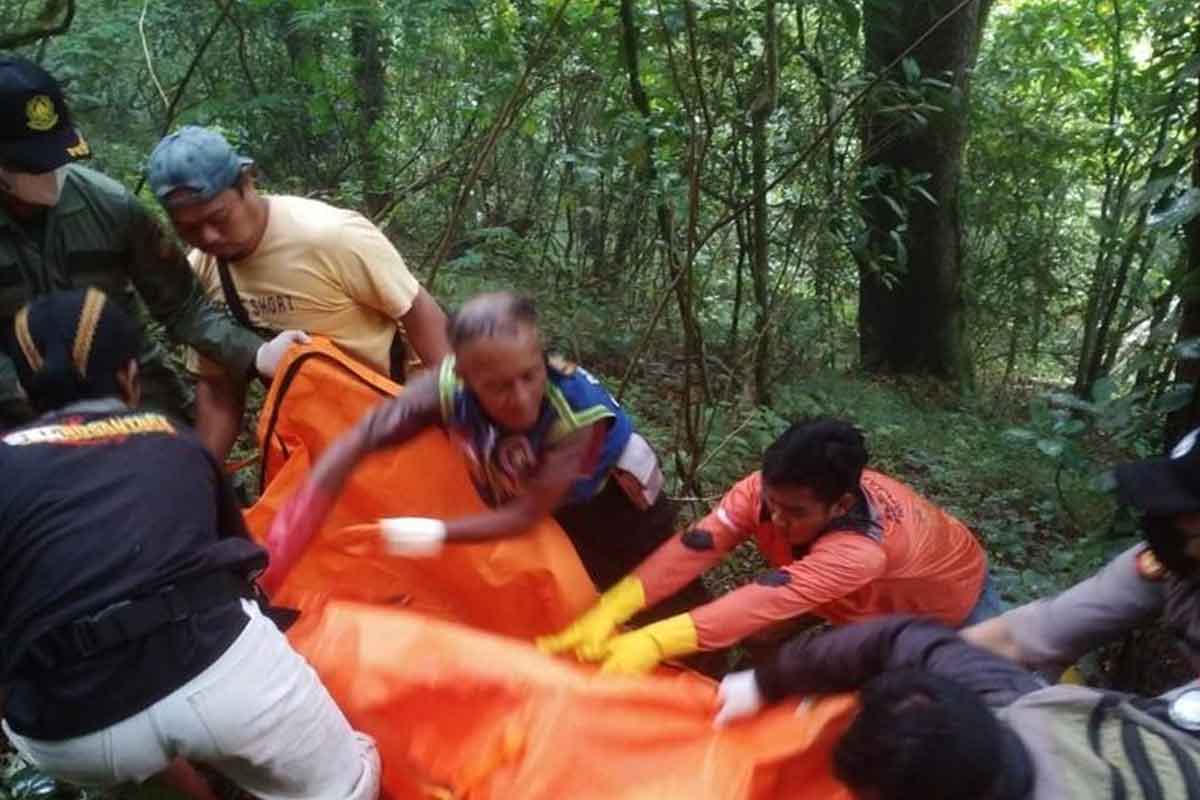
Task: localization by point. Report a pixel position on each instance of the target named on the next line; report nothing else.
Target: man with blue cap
(64, 226)
(279, 262)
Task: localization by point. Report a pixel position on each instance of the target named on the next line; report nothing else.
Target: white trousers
(259, 715)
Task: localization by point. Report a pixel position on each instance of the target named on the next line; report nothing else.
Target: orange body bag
(408, 647)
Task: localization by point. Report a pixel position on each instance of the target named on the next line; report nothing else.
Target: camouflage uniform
(100, 235)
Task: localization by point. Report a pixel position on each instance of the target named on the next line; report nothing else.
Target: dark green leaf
(1173, 399)
(1103, 390)
(1051, 447)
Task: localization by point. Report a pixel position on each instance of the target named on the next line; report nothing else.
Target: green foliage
(1082, 439)
(21, 781)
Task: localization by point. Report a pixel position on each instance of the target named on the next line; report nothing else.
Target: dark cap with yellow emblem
(36, 132)
(1164, 486)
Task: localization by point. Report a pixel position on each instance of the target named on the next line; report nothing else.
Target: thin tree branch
(149, 62)
(187, 76)
(507, 113)
(241, 51)
(645, 340)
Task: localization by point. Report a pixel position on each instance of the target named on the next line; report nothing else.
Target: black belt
(135, 619)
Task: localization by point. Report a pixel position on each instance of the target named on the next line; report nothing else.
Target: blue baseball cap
(196, 160)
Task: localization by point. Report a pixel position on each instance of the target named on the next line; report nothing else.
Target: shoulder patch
(697, 539)
(1149, 568)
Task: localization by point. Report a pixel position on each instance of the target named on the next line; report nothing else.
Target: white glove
(413, 536)
(270, 354)
(738, 696)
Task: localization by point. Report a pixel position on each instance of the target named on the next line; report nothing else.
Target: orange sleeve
(699, 547)
(840, 563)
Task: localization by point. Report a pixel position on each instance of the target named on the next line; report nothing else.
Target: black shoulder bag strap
(234, 301)
(231, 296)
(397, 355)
(398, 358)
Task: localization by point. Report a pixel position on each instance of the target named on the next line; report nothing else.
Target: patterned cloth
(501, 462)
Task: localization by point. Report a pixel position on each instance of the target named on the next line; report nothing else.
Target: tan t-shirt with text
(325, 270)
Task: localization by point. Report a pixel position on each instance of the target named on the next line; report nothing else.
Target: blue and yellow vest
(501, 461)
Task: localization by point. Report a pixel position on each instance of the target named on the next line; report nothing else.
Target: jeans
(989, 605)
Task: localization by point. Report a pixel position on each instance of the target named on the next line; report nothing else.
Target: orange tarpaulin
(459, 713)
(487, 718)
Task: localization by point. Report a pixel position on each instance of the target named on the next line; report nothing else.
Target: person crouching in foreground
(847, 544)
(942, 719)
(134, 635)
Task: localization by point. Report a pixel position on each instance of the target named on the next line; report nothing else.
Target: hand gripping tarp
(459, 713)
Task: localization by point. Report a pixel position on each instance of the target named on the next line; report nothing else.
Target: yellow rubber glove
(586, 636)
(640, 651)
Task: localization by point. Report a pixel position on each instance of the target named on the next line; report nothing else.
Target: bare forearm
(220, 403)
(546, 491)
(995, 635)
(425, 329)
(508, 520)
(336, 463)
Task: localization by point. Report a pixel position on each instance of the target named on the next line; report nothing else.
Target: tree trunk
(824, 270)
(1105, 336)
(760, 113)
(1112, 209)
(680, 280)
(912, 321)
(1108, 341)
(735, 316)
(1131, 303)
(305, 51)
(628, 233)
(1150, 378)
(370, 48)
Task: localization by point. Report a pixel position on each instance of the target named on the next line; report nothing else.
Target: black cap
(68, 345)
(36, 132)
(1163, 486)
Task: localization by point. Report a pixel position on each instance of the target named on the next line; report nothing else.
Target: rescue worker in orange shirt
(847, 544)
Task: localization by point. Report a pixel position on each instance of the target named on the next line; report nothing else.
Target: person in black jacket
(131, 625)
(942, 719)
